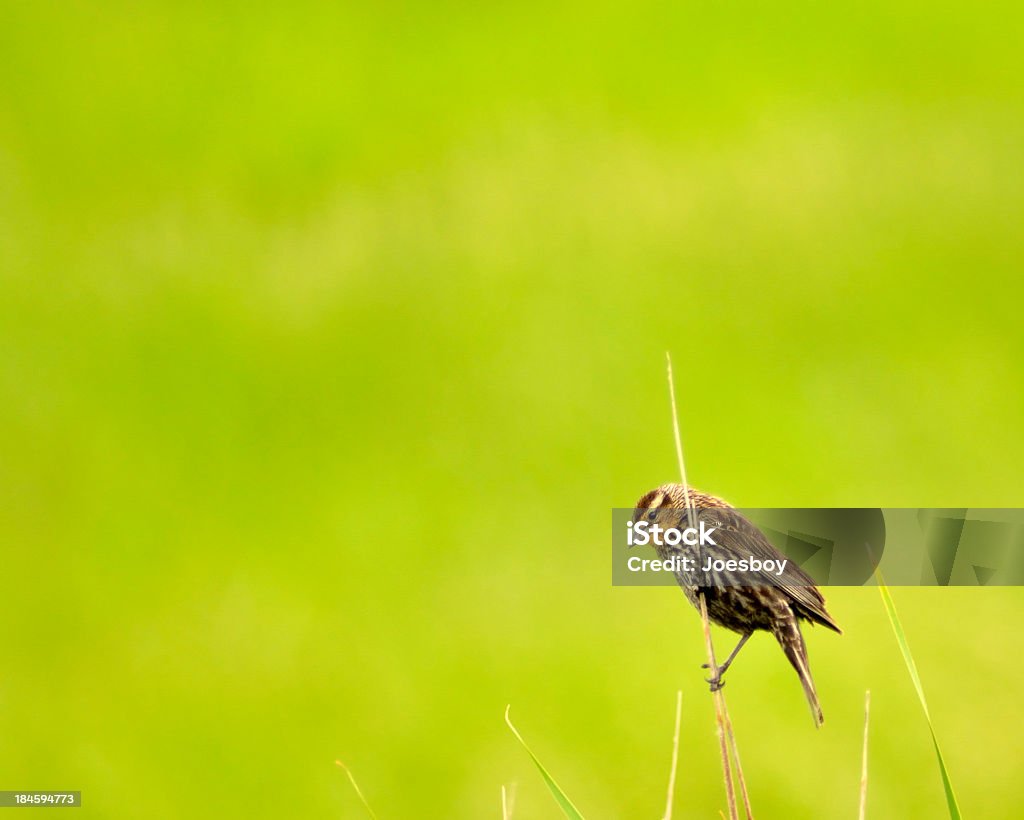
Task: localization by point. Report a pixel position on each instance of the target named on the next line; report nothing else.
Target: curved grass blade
(564, 803)
(901, 639)
(355, 786)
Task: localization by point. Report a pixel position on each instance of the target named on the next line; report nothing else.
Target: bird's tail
(792, 642)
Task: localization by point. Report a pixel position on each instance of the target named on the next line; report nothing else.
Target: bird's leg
(716, 679)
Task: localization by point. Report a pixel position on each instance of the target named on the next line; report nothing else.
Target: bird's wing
(739, 536)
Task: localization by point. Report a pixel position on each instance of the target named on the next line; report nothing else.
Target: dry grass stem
(721, 713)
(675, 756)
(864, 757)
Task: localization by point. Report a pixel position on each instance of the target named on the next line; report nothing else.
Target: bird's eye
(652, 515)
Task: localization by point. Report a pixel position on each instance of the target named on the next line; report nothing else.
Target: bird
(775, 604)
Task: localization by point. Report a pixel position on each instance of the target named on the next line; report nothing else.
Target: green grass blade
(352, 780)
(901, 639)
(563, 801)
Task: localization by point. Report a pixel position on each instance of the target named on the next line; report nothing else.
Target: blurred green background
(330, 335)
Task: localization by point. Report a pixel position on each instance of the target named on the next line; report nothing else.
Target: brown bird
(741, 601)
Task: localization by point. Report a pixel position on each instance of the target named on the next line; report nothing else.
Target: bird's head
(667, 505)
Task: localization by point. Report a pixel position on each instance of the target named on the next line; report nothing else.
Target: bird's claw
(715, 683)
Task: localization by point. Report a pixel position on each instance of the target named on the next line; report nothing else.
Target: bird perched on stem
(741, 601)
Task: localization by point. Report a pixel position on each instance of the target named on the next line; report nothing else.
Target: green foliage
(564, 803)
(901, 639)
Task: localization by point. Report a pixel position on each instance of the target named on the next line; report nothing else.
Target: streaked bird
(734, 600)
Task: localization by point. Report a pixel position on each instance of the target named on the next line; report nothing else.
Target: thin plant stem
(690, 512)
(736, 757)
(721, 714)
(864, 757)
(359, 792)
(730, 794)
(675, 756)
